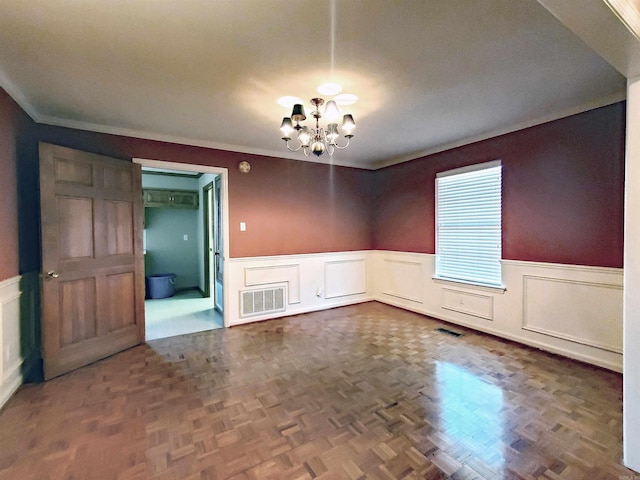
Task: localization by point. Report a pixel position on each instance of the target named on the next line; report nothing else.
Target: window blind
(469, 224)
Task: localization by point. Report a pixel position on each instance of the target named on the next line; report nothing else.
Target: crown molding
(14, 92)
(176, 139)
(602, 102)
(627, 13)
(22, 101)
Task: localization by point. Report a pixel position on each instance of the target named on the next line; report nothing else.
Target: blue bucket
(161, 285)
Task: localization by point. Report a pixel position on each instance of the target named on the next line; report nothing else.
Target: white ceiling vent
(255, 302)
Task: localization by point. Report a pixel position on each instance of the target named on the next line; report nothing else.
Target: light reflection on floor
(472, 412)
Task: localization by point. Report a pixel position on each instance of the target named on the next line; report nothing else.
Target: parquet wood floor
(360, 392)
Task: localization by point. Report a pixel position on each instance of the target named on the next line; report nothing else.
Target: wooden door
(92, 263)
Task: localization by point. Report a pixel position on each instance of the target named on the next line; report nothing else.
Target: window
(469, 224)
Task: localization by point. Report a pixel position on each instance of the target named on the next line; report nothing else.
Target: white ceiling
(429, 73)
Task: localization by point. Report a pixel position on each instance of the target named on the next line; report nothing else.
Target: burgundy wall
(563, 192)
(8, 188)
(14, 128)
(300, 207)
(289, 206)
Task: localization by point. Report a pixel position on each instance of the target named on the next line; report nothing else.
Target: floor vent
(449, 332)
(255, 302)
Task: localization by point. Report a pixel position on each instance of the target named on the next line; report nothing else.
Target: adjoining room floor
(185, 312)
(360, 392)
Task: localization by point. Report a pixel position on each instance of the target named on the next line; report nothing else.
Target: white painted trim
(180, 140)
(224, 175)
(557, 333)
(614, 366)
(309, 309)
(459, 308)
(275, 274)
(475, 286)
(357, 265)
(24, 103)
(310, 274)
(15, 376)
(298, 255)
(13, 290)
(631, 308)
(627, 13)
(574, 339)
(508, 306)
(410, 297)
(563, 266)
(469, 168)
(599, 27)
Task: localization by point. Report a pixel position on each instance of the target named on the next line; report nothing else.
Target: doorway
(203, 298)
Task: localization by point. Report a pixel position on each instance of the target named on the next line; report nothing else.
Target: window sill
(479, 286)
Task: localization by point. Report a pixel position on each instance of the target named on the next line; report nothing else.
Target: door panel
(76, 226)
(77, 311)
(93, 300)
(119, 232)
(121, 307)
(117, 179)
(70, 171)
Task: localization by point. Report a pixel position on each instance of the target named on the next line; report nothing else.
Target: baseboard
(616, 367)
(19, 337)
(188, 289)
(9, 386)
(27, 370)
(299, 311)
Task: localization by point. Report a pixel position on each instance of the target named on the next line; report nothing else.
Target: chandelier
(317, 140)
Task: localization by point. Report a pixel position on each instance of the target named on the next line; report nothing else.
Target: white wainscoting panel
(578, 311)
(19, 312)
(345, 277)
(571, 310)
(403, 279)
(532, 312)
(314, 281)
(476, 304)
(269, 274)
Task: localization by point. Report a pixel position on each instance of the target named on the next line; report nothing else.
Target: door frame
(207, 217)
(218, 233)
(224, 178)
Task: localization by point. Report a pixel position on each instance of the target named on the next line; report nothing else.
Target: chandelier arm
(330, 148)
(292, 149)
(344, 146)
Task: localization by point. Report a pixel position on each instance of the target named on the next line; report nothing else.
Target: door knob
(52, 274)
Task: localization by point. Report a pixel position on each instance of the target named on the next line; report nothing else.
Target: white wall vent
(255, 302)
